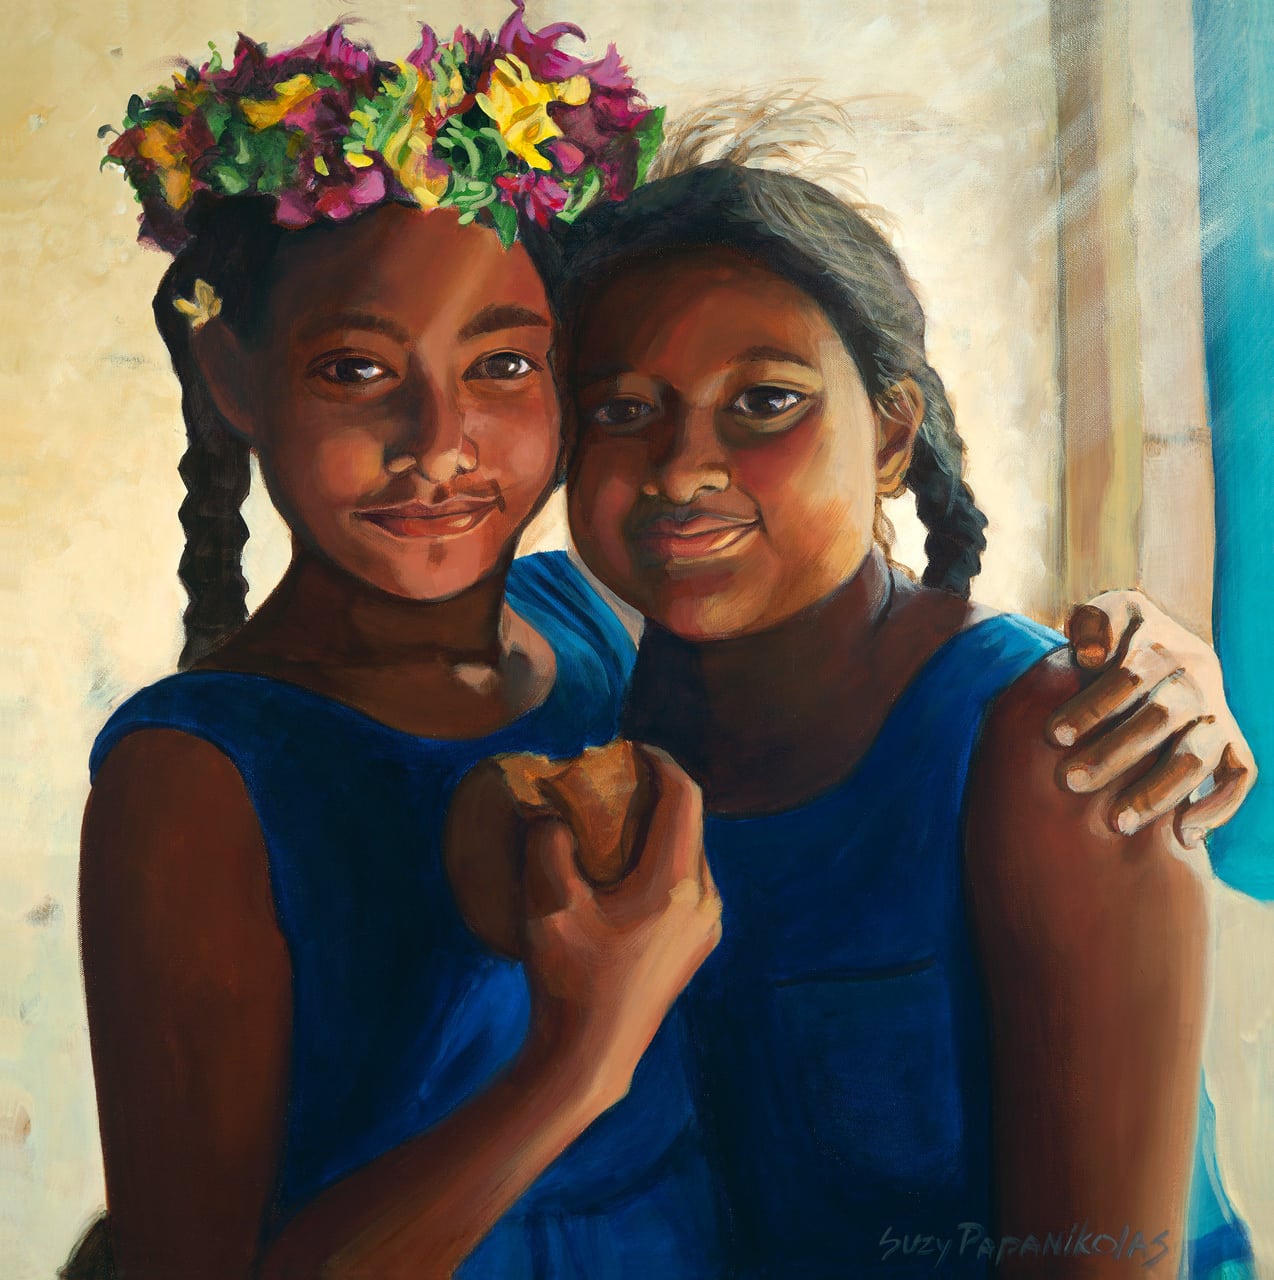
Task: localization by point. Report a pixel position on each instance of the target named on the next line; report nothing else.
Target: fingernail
(1078, 778)
(1127, 822)
(1064, 735)
(1091, 655)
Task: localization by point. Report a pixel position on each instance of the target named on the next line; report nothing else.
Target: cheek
(530, 453)
(323, 464)
(518, 443)
(816, 492)
(346, 462)
(603, 494)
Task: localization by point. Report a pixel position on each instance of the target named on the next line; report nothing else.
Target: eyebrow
(495, 318)
(769, 353)
(358, 320)
(614, 369)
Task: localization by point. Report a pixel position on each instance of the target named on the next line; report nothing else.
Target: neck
(740, 711)
(321, 615)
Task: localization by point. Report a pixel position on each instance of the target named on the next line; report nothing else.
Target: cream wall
(955, 109)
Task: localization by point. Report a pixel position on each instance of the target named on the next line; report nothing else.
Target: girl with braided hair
(952, 1022)
(305, 1063)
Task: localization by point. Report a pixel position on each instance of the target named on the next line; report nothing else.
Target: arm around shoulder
(1093, 948)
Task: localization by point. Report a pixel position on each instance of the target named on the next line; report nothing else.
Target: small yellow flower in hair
(518, 103)
(289, 96)
(204, 306)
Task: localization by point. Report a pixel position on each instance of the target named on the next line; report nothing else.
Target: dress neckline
(338, 707)
(927, 673)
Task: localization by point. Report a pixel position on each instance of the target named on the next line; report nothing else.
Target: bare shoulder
(188, 986)
(171, 847)
(1041, 859)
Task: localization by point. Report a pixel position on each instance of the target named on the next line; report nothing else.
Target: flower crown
(496, 127)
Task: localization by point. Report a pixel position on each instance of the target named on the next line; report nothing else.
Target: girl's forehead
(710, 301)
(411, 263)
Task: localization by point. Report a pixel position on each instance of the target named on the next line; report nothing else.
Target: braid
(232, 251)
(944, 501)
(216, 473)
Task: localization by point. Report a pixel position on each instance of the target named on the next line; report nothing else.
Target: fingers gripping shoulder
(1043, 857)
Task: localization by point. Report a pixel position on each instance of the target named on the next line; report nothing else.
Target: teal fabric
(1234, 78)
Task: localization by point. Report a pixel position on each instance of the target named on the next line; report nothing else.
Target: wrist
(571, 1070)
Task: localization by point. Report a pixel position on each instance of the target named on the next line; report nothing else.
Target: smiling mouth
(678, 544)
(414, 520)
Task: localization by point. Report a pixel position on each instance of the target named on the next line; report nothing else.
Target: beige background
(956, 135)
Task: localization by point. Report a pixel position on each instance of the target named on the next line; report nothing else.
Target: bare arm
(1093, 947)
(189, 989)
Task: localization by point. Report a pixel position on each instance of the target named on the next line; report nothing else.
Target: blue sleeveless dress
(399, 1013)
(839, 1029)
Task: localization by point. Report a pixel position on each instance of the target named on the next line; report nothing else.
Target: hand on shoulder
(1047, 843)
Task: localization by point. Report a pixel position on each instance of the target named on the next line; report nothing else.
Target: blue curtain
(1234, 62)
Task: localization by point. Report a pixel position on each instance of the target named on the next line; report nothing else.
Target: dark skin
(1092, 943)
(407, 452)
(187, 975)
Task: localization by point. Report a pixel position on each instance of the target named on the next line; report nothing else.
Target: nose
(432, 441)
(690, 460)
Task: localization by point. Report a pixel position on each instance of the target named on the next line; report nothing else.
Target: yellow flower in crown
(159, 143)
(289, 95)
(422, 175)
(408, 150)
(518, 103)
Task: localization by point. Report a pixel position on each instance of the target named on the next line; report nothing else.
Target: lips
(430, 519)
(670, 541)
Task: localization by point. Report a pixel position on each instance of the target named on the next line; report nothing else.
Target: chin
(433, 574)
(703, 617)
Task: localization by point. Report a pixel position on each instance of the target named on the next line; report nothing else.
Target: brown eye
(768, 402)
(353, 371)
(621, 414)
(503, 366)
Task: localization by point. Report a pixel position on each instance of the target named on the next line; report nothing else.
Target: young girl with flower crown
(305, 1063)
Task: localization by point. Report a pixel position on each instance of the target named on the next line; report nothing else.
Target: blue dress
(399, 1014)
(839, 1028)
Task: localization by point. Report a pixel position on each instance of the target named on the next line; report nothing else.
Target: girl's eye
(768, 402)
(353, 371)
(503, 366)
(621, 413)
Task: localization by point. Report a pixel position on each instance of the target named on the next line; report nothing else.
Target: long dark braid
(832, 252)
(944, 502)
(232, 252)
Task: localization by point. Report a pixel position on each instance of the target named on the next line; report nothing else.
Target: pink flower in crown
(331, 51)
(423, 55)
(254, 74)
(343, 200)
(479, 50)
(610, 74)
(565, 154)
(538, 49)
(536, 194)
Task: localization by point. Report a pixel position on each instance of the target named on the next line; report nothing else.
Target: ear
(899, 412)
(223, 362)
